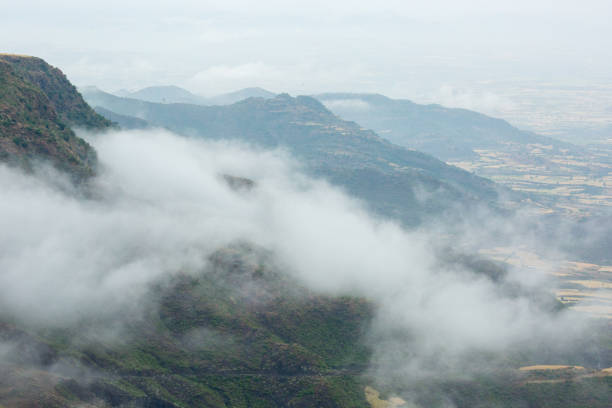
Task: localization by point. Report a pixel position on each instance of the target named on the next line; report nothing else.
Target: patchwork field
(584, 287)
(575, 111)
(553, 180)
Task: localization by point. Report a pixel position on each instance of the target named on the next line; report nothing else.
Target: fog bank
(161, 206)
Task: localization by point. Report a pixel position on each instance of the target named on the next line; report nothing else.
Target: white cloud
(161, 208)
(480, 101)
(349, 104)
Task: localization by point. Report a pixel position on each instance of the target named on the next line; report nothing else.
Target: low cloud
(480, 101)
(347, 104)
(223, 78)
(159, 207)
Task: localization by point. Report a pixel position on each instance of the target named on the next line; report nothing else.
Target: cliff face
(38, 107)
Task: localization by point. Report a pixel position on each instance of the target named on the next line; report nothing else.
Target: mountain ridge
(450, 134)
(38, 106)
(331, 147)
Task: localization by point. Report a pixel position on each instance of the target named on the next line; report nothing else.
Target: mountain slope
(244, 334)
(35, 121)
(395, 181)
(63, 96)
(447, 133)
(558, 176)
(239, 334)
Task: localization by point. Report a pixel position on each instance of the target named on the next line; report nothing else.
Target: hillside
(38, 106)
(244, 334)
(450, 134)
(558, 176)
(63, 96)
(395, 181)
(238, 334)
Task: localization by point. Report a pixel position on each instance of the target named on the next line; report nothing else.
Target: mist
(161, 206)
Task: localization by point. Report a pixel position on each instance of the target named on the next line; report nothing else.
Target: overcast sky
(400, 48)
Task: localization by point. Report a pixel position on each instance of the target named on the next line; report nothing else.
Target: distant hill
(175, 94)
(393, 180)
(556, 176)
(38, 107)
(163, 94)
(447, 133)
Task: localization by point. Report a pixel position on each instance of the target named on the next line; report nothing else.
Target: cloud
(348, 104)
(159, 207)
(480, 101)
(233, 77)
(249, 71)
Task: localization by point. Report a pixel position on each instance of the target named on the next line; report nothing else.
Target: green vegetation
(37, 108)
(239, 335)
(511, 390)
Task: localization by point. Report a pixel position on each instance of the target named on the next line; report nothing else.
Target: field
(572, 110)
(584, 287)
(553, 180)
(373, 398)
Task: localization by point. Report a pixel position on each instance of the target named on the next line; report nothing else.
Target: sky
(399, 48)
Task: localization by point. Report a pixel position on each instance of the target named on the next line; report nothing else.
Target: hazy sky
(401, 48)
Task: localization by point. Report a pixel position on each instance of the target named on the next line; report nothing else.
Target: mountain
(395, 181)
(175, 94)
(556, 176)
(238, 334)
(244, 334)
(38, 107)
(449, 134)
(164, 94)
(63, 96)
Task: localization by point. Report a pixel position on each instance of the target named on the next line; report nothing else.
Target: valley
(555, 181)
(584, 287)
(271, 253)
